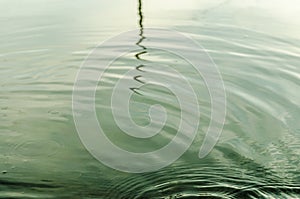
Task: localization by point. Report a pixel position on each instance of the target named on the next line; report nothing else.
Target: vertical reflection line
(140, 13)
(139, 43)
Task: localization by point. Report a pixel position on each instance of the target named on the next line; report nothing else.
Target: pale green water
(256, 46)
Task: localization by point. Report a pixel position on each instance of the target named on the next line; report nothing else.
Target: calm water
(256, 46)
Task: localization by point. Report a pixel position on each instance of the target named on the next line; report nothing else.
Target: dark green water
(256, 46)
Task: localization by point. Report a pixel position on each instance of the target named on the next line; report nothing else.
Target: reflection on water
(256, 46)
(141, 30)
(139, 43)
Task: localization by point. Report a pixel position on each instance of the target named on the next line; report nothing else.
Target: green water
(256, 46)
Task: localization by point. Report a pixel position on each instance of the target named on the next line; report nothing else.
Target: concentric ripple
(206, 181)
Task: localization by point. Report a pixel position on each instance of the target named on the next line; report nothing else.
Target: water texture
(256, 46)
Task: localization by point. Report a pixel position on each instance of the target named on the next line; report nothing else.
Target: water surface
(256, 46)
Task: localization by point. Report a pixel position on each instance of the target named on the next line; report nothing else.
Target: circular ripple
(204, 181)
(37, 148)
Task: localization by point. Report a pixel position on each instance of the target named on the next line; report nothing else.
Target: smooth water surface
(256, 46)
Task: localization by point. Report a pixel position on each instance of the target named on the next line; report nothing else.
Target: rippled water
(256, 46)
